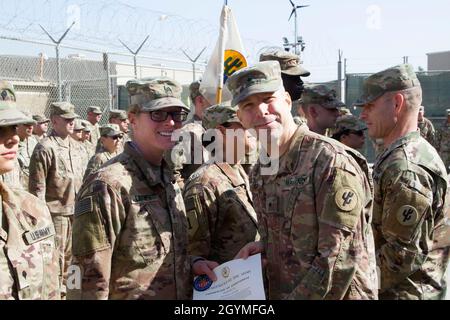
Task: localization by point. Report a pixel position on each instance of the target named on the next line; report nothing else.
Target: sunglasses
(117, 137)
(358, 133)
(161, 116)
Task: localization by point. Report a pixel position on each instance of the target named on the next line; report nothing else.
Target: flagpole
(221, 56)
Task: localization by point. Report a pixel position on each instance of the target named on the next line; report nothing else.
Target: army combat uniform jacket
(315, 218)
(130, 232)
(427, 131)
(28, 257)
(219, 206)
(56, 173)
(24, 153)
(443, 144)
(412, 234)
(97, 161)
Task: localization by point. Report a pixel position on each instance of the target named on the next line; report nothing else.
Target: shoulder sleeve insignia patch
(346, 199)
(407, 215)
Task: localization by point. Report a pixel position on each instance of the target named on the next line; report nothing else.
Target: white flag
(228, 57)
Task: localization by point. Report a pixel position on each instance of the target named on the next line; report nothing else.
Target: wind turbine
(294, 13)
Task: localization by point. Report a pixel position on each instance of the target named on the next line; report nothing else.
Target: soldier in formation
(426, 127)
(350, 130)
(219, 206)
(110, 139)
(321, 108)
(314, 212)
(130, 232)
(56, 171)
(411, 191)
(28, 255)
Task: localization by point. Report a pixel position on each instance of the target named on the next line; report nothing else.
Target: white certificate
(236, 280)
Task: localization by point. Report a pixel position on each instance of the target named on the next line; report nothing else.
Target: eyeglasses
(117, 137)
(161, 116)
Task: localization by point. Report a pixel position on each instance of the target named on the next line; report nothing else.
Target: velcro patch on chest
(83, 206)
(144, 198)
(295, 181)
(39, 234)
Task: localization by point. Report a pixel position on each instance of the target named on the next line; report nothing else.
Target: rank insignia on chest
(144, 197)
(272, 205)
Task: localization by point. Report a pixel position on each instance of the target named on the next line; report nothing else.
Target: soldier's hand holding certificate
(236, 280)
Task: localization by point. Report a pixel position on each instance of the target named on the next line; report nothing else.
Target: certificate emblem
(202, 283)
(225, 272)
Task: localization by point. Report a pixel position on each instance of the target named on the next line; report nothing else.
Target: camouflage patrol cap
(322, 95)
(118, 114)
(157, 93)
(10, 115)
(260, 78)
(94, 109)
(344, 111)
(219, 114)
(40, 118)
(289, 62)
(87, 127)
(349, 122)
(7, 91)
(63, 109)
(194, 90)
(397, 78)
(30, 121)
(110, 130)
(78, 125)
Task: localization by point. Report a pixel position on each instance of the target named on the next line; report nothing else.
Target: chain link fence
(87, 77)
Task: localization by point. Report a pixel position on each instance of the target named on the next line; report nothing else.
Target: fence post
(108, 79)
(58, 73)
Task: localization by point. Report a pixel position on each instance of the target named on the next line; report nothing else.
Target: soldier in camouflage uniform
(426, 128)
(28, 255)
(120, 118)
(350, 131)
(94, 114)
(26, 146)
(41, 127)
(183, 163)
(130, 231)
(314, 212)
(77, 135)
(12, 177)
(291, 73)
(443, 141)
(85, 139)
(410, 221)
(110, 139)
(56, 172)
(321, 108)
(219, 206)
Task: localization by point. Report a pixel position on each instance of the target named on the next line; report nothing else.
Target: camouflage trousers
(63, 228)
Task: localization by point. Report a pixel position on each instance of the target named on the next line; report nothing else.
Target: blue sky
(372, 34)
